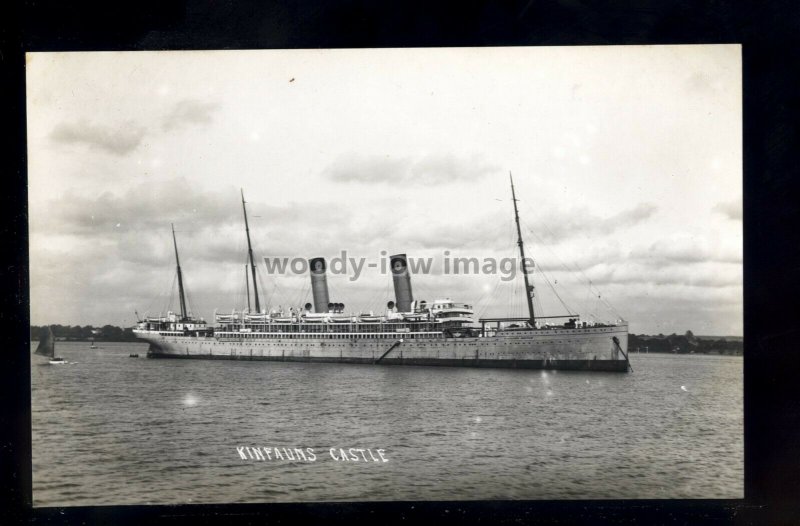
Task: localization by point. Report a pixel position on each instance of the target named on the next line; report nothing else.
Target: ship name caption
(352, 454)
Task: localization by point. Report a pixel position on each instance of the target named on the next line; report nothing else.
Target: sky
(627, 163)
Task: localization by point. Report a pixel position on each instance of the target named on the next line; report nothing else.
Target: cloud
(562, 225)
(125, 137)
(448, 168)
(431, 169)
(132, 265)
(140, 209)
(683, 250)
(136, 224)
(188, 112)
(483, 231)
(707, 275)
(730, 209)
(630, 217)
(118, 140)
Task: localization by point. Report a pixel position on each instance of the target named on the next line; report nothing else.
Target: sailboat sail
(46, 344)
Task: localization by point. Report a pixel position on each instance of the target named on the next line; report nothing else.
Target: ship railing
(510, 321)
(450, 305)
(237, 335)
(460, 320)
(524, 323)
(314, 317)
(453, 315)
(420, 315)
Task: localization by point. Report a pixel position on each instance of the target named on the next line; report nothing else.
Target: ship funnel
(402, 282)
(319, 284)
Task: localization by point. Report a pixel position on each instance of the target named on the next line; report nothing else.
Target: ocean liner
(409, 332)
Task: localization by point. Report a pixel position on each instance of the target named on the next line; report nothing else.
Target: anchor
(395, 344)
(616, 342)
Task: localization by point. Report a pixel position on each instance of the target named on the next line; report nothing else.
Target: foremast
(528, 286)
(252, 263)
(184, 314)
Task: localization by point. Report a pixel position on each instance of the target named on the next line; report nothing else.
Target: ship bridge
(447, 309)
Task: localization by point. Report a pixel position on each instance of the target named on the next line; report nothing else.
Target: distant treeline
(673, 343)
(685, 344)
(106, 333)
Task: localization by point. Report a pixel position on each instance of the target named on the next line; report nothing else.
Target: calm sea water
(110, 429)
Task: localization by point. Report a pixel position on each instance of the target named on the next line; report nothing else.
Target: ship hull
(564, 349)
(559, 365)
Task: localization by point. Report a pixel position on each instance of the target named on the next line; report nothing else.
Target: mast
(247, 287)
(180, 276)
(528, 287)
(250, 252)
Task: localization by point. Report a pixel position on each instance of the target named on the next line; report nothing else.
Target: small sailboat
(47, 347)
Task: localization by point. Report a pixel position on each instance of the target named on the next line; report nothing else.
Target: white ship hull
(590, 348)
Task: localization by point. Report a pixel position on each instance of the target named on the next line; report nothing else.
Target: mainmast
(252, 263)
(247, 286)
(180, 276)
(528, 286)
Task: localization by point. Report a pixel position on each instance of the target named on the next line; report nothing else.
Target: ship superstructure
(408, 332)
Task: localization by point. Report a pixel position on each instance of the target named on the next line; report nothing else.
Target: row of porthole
(358, 336)
(424, 344)
(463, 357)
(342, 337)
(427, 345)
(567, 332)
